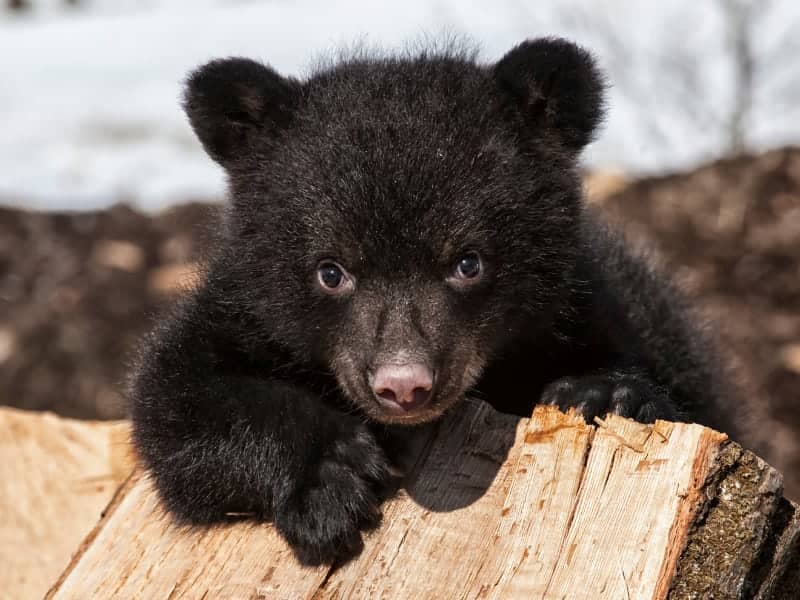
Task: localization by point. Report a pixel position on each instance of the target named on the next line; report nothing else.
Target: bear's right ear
(229, 101)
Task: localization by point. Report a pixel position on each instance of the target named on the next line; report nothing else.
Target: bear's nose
(405, 385)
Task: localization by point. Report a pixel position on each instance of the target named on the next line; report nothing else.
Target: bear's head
(399, 220)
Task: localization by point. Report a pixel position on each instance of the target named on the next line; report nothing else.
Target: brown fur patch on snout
(456, 370)
(409, 331)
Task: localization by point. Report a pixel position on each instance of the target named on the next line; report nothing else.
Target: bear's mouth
(450, 385)
(390, 414)
(446, 393)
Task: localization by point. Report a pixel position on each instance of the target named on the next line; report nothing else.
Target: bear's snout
(402, 387)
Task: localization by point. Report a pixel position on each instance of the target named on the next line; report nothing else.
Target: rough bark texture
(495, 507)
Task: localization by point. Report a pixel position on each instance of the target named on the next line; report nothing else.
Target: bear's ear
(556, 85)
(229, 101)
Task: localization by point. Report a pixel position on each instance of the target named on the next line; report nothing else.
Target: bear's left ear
(556, 85)
(230, 101)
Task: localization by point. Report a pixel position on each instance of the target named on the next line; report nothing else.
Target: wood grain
(138, 552)
(495, 507)
(56, 476)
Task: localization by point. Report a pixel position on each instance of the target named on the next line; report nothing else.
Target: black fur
(253, 396)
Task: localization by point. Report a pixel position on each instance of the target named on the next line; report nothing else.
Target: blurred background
(106, 196)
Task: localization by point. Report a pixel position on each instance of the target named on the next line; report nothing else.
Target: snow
(89, 99)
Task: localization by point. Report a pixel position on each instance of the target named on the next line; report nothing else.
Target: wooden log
(56, 477)
(494, 507)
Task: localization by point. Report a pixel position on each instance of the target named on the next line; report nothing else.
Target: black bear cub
(402, 230)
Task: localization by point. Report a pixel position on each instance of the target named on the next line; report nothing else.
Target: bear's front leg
(627, 393)
(273, 451)
(217, 441)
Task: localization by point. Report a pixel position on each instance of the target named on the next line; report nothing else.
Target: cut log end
(496, 507)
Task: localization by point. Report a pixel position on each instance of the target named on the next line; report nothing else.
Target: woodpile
(494, 507)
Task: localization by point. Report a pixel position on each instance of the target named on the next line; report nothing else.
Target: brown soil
(729, 232)
(76, 291)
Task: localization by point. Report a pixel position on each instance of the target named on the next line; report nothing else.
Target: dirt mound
(730, 233)
(76, 291)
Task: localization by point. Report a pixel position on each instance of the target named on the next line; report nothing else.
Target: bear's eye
(468, 266)
(333, 278)
(468, 270)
